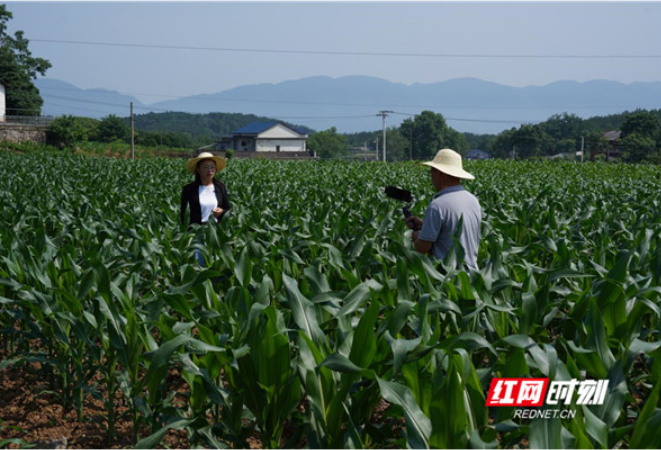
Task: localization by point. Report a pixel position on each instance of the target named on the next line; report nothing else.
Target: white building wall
(286, 145)
(2, 103)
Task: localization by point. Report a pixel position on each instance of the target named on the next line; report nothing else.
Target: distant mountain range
(351, 103)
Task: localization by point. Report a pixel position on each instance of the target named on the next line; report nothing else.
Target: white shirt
(208, 202)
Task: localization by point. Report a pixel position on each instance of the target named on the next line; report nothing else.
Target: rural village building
(613, 144)
(3, 103)
(265, 137)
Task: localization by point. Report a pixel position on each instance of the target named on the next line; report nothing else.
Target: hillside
(207, 128)
(201, 127)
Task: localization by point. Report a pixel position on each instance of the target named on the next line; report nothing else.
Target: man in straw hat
(206, 196)
(452, 213)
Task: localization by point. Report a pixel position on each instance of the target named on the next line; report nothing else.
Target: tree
(637, 147)
(503, 145)
(397, 146)
(642, 123)
(111, 129)
(428, 131)
(641, 135)
(160, 139)
(456, 141)
(66, 131)
(328, 144)
(480, 141)
(563, 126)
(527, 141)
(19, 68)
(564, 146)
(594, 143)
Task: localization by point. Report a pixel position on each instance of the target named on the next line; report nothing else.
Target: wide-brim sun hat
(191, 164)
(448, 161)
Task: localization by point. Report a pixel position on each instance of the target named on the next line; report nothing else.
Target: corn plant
(315, 322)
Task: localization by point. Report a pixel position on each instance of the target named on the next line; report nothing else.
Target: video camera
(403, 196)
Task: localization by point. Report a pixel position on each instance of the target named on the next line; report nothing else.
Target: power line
(108, 92)
(342, 53)
(76, 108)
(327, 118)
(81, 100)
(307, 118)
(444, 106)
(148, 108)
(470, 120)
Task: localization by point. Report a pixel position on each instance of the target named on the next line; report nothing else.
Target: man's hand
(414, 223)
(217, 212)
(420, 245)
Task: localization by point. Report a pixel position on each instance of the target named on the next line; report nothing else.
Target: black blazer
(190, 196)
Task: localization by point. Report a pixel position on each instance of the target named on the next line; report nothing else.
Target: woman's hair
(198, 178)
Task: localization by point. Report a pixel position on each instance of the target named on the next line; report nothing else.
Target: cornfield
(316, 324)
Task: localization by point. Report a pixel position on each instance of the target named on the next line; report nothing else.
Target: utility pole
(411, 143)
(132, 134)
(383, 115)
(376, 149)
(582, 147)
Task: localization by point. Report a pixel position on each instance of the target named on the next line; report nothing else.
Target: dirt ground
(30, 413)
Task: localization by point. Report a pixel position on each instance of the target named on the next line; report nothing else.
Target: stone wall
(23, 133)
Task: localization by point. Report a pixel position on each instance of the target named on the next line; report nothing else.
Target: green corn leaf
(363, 347)
(303, 311)
(418, 426)
(154, 439)
(317, 280)
(477, 442)
(595, 427)
(243, 268)
(546, 433)
(646, 430)
(340, 363)
(519, 341)
(358, 296)
(401, 348)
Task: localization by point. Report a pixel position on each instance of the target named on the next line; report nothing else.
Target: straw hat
(448, 161)
(191, 164)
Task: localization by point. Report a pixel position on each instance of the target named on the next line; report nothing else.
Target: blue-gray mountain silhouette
(351, 103)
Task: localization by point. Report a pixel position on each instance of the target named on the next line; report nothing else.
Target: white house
(3, 104)
(266, 137)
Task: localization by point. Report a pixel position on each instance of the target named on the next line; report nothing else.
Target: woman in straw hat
(206, 196)
(451, 207)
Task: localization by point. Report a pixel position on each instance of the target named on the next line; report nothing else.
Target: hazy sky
(180, 49)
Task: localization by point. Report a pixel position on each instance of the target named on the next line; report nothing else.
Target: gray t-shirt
(442, 218)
